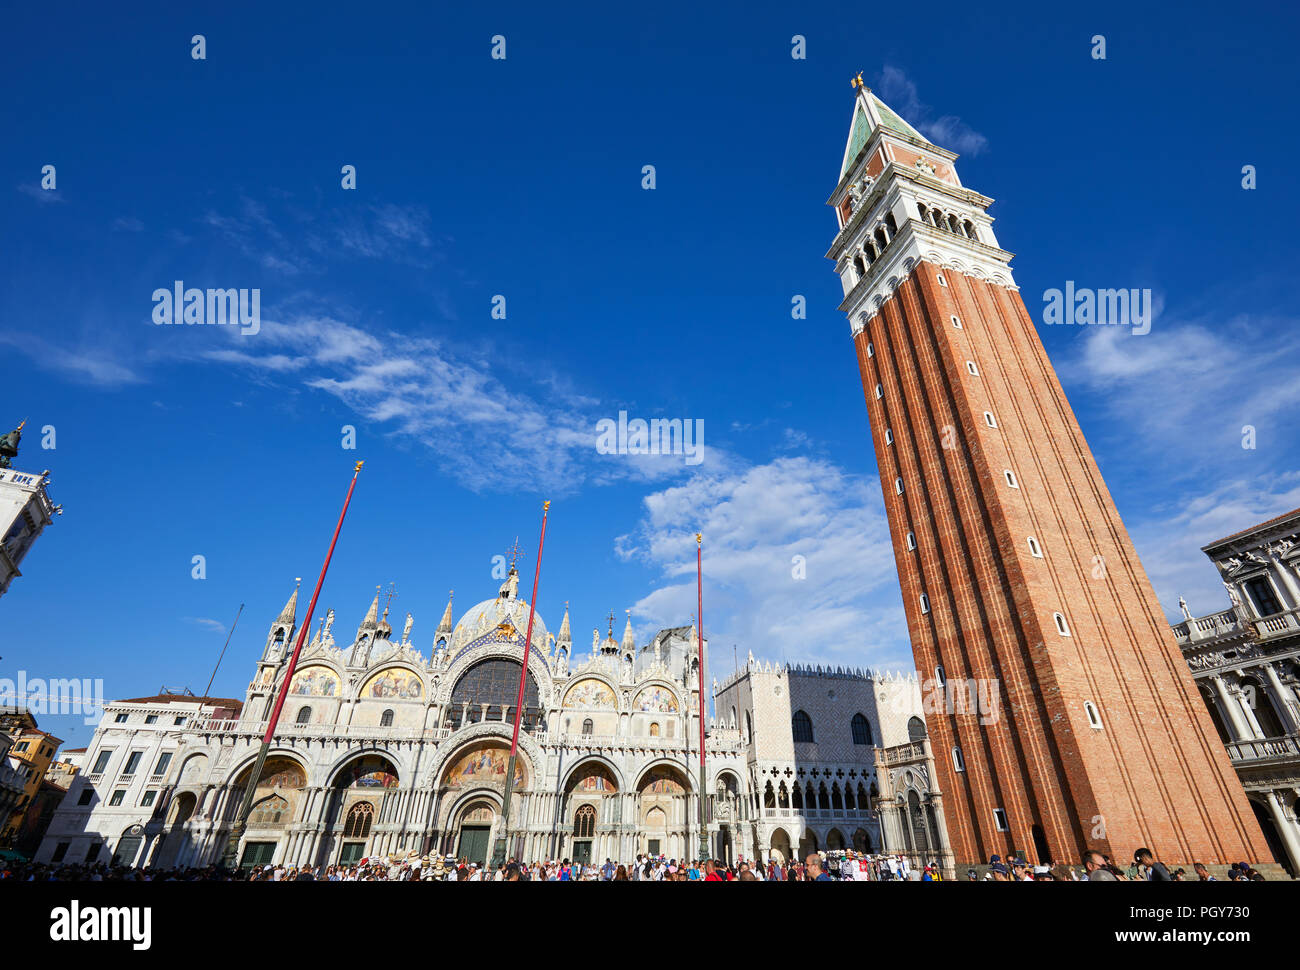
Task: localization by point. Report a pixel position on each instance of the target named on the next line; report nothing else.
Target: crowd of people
(816, 867)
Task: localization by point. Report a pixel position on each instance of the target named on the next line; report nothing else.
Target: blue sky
(522, 177)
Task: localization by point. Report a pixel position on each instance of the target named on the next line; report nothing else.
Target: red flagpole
(528, 637)
(229, 859)
(503, 840)
(311, 608)
(699, 613)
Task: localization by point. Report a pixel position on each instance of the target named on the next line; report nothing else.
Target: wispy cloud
(946, 131)
(85, 362)
(208, 624)
(490, 436)
(43, 196)
(797, 563)
(1174, 399)
(1175, 392)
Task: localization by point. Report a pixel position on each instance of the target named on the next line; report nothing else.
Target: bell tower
(1019, 580)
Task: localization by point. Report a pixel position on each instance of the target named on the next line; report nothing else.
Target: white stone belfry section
(900, 201)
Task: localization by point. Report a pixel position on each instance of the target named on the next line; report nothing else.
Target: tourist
(1155, 871)
(813, 869)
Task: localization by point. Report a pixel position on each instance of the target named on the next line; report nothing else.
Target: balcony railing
(1278, 625)
(727, 741)
(1208, 627)
(897, 754)
(1264, 749)
(1224, 624)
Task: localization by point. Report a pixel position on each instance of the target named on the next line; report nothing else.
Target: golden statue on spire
(857, 82)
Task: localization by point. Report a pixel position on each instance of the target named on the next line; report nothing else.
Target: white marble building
(1246, 661)
(821, 747)
(384, 749)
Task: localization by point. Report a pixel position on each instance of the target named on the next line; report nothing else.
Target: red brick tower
(1019, 579)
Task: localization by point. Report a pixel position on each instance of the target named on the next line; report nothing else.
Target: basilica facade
(383, 749)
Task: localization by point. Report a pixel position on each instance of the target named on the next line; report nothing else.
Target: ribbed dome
(502, 609)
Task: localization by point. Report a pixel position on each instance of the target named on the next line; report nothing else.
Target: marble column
(1287, 829)
(1285, 697)
(1235, 719)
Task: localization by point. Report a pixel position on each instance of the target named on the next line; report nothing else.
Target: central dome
(498, 610)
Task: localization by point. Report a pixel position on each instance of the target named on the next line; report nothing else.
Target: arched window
(892, 224)
(749, 728)
(849, 804)
(1011, 478)
(972, 369)
(1094, 718)
(889, 436)
(871, 350)
(1035, 549)
(859, 265)
(958, 762)
(881, 241)
(769, 796)
(970, 230)
(911, 541)
(797, 800)
(925, 604)
(360, 816)
(915, 729)
(654, 729)
(584, 823)
(386, 719)
(861, 728)
(801, 725)
(494, 682)
(837, 802)
(588, 727)
(924, 210)
(898, 486)
(304, 715)
(880, 392)
(1061, 627)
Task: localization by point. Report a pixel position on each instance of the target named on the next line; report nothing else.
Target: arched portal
(663, 811)
(591, 806)
(475, 776)
(359, 792)
(276, 802)
(474, 831)
(780, 846)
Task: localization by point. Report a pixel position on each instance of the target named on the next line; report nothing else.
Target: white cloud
(487, 434)
(950, 132)
(1185, 391)
(755, 521)
(1170, 537)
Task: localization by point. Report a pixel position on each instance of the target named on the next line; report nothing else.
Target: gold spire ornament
(857, 82)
